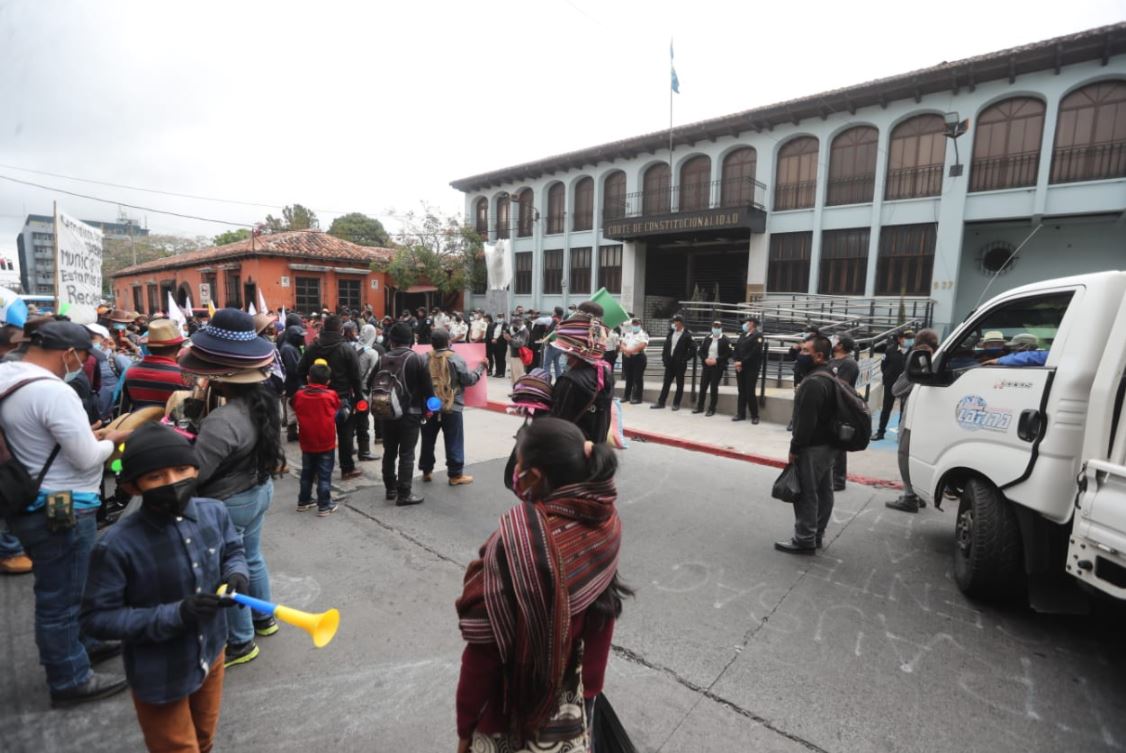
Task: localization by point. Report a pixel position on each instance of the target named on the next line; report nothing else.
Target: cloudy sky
(374, 107)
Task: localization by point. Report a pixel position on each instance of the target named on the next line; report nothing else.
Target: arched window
(655, 190)
(614, 196)
(852, 166)
(695, 184)
(916, 156)
(555, 209)
(1007, 145)
(738, 186)
(796, 184)
(481, 218)
(503, 222)
(524, 218)
(584, 204)
(1091, 134)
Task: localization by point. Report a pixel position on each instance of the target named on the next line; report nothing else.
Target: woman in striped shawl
(538, 608)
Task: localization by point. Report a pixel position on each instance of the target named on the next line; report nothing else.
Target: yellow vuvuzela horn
(322, 627)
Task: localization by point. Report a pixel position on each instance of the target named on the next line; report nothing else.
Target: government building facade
(917, 186)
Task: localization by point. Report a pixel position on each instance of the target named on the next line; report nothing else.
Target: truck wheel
(987, 545)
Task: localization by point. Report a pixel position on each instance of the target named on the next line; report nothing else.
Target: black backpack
(852, 423)
(389, 396)
(17, 488)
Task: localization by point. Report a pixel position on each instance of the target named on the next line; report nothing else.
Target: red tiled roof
(295, 244)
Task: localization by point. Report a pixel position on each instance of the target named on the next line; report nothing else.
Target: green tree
(119, 253)
(361, 229)
(294, 217)
(440, 249)
(231, 236)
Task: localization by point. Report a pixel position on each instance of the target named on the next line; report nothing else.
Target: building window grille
(308, 294)
(610, 268)
(796, 184)
(788, 265)
(1007, 145)
(522, 280)
(579, 278)
(916, 155)
(906, 259)
(1091, 134)
(584, 204)
(852, 166)
(844, 261)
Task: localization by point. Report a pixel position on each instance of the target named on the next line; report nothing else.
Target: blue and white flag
(672, 67)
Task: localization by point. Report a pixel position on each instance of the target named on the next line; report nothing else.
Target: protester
(153, 380)
(926, 339)
(845, 368)
(112, 366)
(811, 448)
(152, 585)
(369, 352)
(801, 367)
(584, 393)
(316, 406)
(715, 351)
(891, 367)
(238, 450)
(553, 361)
(678, 350)
(748, 364)
(345, 366)
(516, 337)
(400, 435)
(633, 344)
(45, 424)
(525, 635)
(290, 348)
(449, 375)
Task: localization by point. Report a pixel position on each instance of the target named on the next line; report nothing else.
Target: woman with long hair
(538, 608)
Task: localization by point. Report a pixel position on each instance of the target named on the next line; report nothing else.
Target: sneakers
(324, 512)
(18, 565)
(461, 480)
(427, 476)
(354, 473)
(266, 627)
(306, 506)
(100, 685)
(241, 653)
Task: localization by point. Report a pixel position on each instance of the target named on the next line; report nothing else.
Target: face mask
(379, 339)
(805, 361)
(746, 327)
(636, 328)
(170, 499)
(909, 343)
(119, 327)
(523, 494)
(70, 376)
(716, 332)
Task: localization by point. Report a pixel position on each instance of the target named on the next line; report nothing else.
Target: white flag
(174, 312)
(262, 302)
(251, 310)
(498, 265)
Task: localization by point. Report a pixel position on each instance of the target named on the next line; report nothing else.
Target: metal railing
(857, 189)
(1092, 162)
(1009, 171)
(913, 182)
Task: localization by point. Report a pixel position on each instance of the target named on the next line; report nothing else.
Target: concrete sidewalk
(766, 444)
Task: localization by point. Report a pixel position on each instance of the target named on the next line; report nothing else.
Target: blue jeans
(60, 561)
(248, 512)
(316, 465)
(453, 435)
(9, 544)
(553, 361)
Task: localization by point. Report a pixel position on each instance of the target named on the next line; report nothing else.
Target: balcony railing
(716, 194)
(795, 195)
(1010, 171)
(914, 182)
(857, 189)
(1092, 162)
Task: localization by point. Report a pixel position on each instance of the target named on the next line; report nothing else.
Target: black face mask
(170, 499)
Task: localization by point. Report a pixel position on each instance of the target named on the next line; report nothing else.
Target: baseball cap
(61, 336)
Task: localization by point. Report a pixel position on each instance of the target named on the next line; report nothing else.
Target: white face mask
(746, 326)
(70, 376)
(716, 332)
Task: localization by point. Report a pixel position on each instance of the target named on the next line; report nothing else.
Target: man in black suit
(714, 352)
(895, 359)
(748, 364)
(495, 346)
(845, 368)
(679, 349)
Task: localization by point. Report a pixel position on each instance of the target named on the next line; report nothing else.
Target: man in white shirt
(38, 417)
(458, 329)
(633, 343)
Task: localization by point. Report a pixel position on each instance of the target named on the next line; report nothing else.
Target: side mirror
(920, 368)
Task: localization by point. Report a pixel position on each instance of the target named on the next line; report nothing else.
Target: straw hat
(129, 421)
(163, 333)
(122, 317)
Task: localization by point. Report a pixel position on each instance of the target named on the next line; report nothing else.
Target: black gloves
(199, 608)
(239, 583)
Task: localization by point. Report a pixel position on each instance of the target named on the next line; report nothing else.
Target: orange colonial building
(302, 270)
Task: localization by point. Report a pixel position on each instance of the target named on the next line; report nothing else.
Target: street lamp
(955, 127)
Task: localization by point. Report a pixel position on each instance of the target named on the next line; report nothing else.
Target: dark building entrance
(715, 270)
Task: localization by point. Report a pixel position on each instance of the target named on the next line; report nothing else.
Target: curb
(723, 452)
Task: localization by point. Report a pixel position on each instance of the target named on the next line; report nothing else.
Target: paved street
(727, 646)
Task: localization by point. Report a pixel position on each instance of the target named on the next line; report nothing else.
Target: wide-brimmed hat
(533, 390)
(163, 333)
(993, 335)
(121, 316)
(194, 361)
(231, 337)
(581, 336)
(263, 321)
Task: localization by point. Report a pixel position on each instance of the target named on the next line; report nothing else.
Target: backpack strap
(11, 451)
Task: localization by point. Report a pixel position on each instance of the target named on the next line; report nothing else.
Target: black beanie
(401, 333)
(153, 446)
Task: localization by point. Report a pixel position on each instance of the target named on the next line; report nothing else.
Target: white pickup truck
(1019, 414)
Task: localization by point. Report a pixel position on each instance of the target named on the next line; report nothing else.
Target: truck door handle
(1029, 425)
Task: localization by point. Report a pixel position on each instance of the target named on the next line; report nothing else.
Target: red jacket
(316, 406)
